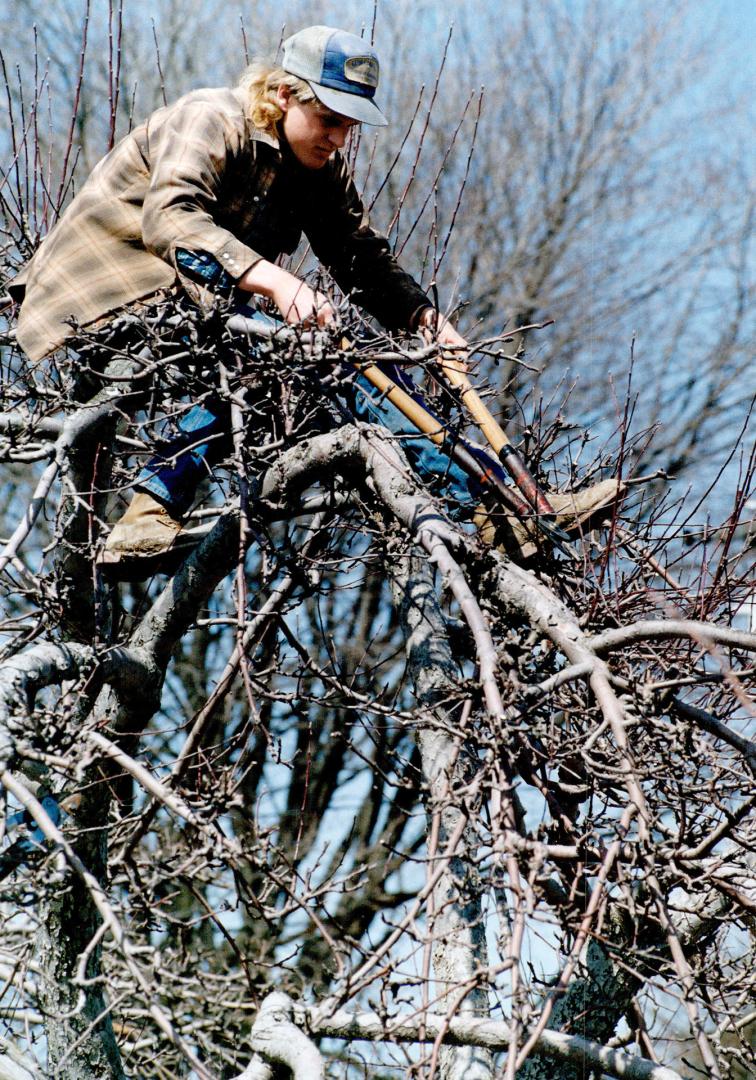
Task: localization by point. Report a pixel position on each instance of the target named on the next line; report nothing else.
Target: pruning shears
(528, 502)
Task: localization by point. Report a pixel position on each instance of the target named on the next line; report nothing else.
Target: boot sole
(116, 567)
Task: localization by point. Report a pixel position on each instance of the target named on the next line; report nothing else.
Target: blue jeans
(182, 463)
(433, 466)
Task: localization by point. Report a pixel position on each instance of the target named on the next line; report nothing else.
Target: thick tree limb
(47, 664)
(455, 923)
(278, 1040)
(704, 633)
(469, 1031)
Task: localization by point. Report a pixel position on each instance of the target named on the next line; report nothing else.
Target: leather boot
(575, 512)
(145, 531)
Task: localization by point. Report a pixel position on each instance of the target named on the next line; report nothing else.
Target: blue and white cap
(341, 69)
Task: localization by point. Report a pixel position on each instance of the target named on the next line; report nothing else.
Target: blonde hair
(260, 83)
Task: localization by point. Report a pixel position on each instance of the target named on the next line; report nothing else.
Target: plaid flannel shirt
(197, 176)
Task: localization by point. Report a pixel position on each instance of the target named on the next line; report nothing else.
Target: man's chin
(320, 158)
(314, 160)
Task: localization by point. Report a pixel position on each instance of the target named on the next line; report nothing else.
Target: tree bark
(456, 927)
(81, 1043)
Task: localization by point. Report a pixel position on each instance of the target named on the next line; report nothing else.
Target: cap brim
(351, 105)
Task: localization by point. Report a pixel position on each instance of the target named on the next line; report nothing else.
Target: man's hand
(435, 327)
(297, 302)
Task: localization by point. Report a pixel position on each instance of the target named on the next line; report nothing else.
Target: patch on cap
(362, 69)
(341, 69)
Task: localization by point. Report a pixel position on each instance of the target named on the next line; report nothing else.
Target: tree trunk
(455, 926)
(80, 1039)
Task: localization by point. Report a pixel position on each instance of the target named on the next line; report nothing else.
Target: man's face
(312, 131)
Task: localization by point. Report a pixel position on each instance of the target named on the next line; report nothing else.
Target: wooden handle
(406, 404)
(494, 433)
(433, 429)
(497, 439)
(403, 401)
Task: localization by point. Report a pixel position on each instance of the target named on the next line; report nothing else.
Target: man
(206, 195)
(211, 190)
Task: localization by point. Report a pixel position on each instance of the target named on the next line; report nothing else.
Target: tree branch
(494, 1035)
(646, 629)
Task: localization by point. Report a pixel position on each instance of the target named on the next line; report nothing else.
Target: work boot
(576, 512)
(144, 534)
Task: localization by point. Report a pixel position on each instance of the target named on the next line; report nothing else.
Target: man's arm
(190, 153)
(358, 257)
(190, 150)
(294, 298)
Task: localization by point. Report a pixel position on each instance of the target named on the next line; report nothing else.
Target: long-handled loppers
(528, 503)
(531, 504)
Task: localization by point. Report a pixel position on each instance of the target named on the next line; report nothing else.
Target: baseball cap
(340, 68)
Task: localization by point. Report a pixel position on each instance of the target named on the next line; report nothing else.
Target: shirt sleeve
(359, 258)
(189, 155)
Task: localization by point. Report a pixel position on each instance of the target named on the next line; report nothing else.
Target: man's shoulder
(228, 104)
(223, 98)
